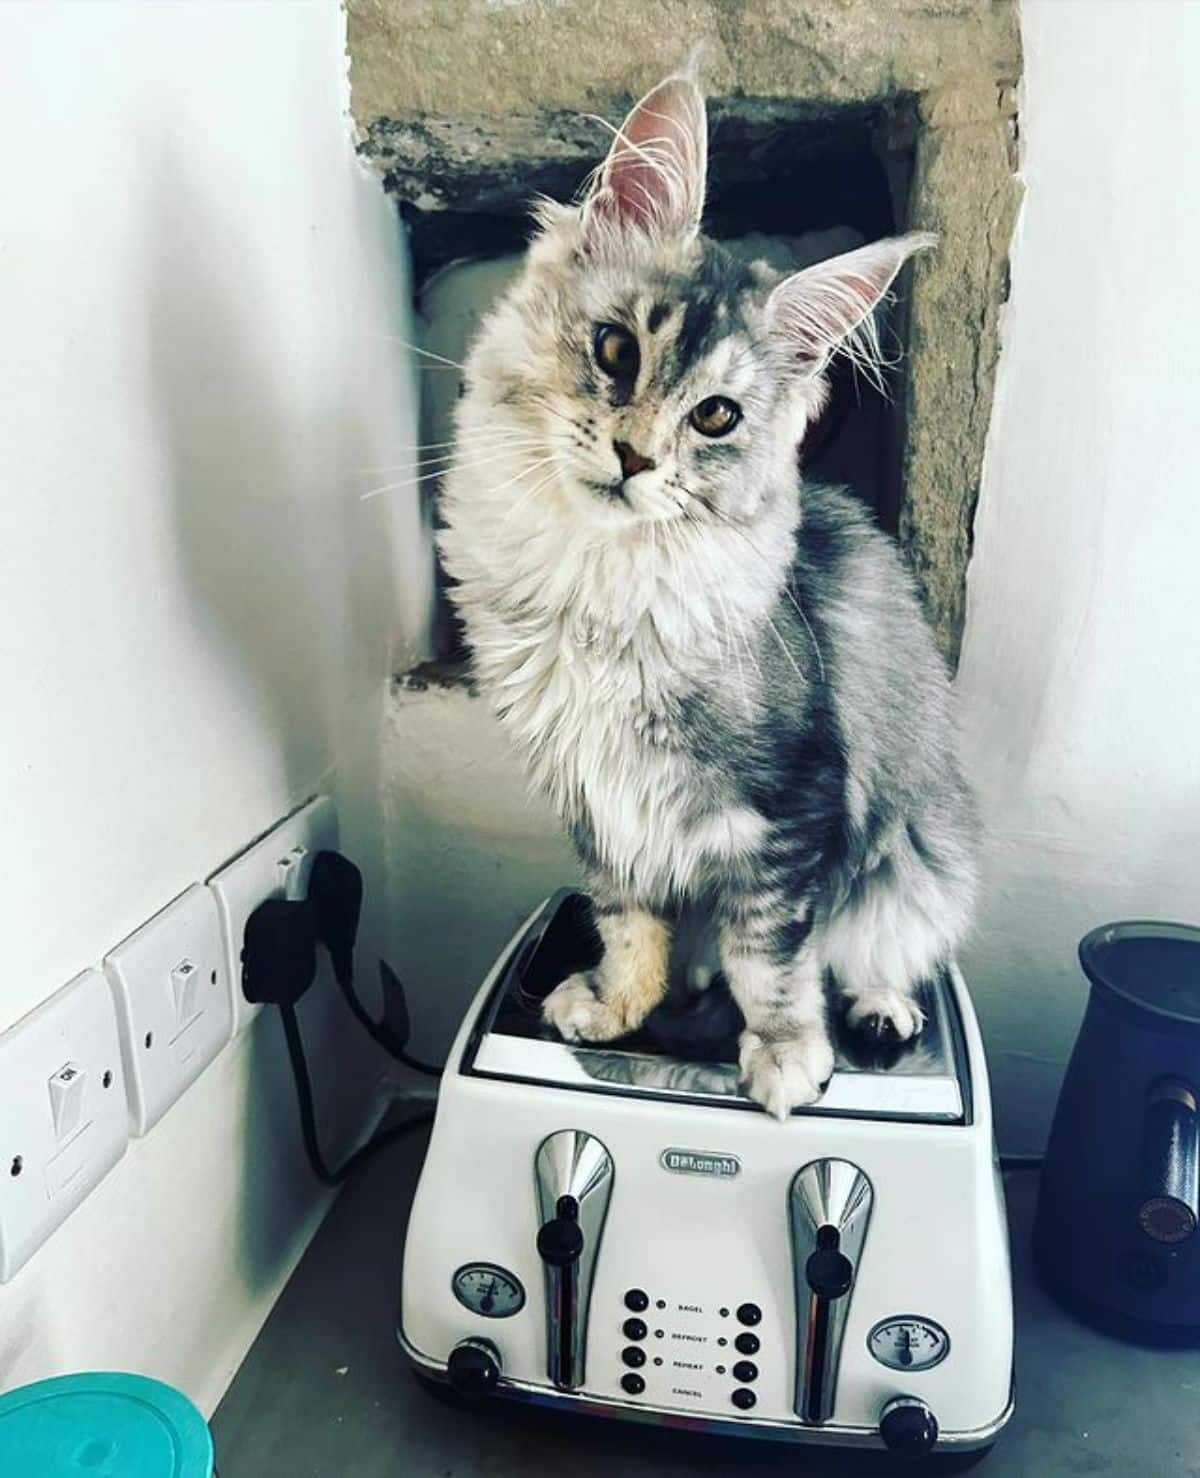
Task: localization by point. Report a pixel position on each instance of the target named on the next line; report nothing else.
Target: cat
(720, 676)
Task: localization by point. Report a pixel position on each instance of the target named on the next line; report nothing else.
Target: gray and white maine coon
(720, 676)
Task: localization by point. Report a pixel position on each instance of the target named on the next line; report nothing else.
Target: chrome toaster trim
(850, 1093)
(573, 1164)
(825, 1193)
(928, 1081)
(614, 1407)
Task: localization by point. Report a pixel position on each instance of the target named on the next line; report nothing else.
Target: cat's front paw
(783, 1075)
(884, 1015)
(578, 1014)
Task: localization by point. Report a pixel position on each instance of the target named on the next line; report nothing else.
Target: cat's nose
(632, 462)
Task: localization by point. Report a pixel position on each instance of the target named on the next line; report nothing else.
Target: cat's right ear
(653, 179)
(826, 309)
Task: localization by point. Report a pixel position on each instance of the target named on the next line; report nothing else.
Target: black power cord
(335, 889)
(308, 1117)
(279, 964)
(393, 992)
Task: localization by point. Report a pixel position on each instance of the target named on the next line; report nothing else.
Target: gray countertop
(325, 1393)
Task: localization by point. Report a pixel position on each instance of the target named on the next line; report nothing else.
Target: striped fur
(721, 678)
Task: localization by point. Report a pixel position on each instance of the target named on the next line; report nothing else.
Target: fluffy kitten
(722, 679)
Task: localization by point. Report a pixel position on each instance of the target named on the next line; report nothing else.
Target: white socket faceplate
(170, 983)
(63, 1119)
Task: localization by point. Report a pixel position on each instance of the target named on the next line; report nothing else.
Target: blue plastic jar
(102, 1425)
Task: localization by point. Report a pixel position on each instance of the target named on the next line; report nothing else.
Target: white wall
(1081, 670)
(197, 612)
(471, 851)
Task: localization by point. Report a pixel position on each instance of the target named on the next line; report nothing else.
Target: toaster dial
(489, 1290)
(908, 1343)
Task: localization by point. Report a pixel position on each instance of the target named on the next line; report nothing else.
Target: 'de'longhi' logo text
(700, 1162)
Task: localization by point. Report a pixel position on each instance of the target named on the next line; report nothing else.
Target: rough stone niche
(874, 114)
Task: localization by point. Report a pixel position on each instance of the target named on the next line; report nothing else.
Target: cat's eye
(716, 416)
(616, 351)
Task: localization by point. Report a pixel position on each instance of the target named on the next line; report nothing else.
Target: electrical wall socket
(170, 982)
(63, 1118)
(276, 866)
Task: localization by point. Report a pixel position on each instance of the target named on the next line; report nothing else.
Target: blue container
(1117, 1235)
(102, 1425)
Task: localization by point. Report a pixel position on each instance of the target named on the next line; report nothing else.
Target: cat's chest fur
(598, 716)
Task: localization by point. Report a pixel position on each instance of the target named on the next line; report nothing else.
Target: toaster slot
(573, 1174)
(829, 1208)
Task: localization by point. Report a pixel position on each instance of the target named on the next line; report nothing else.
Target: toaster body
(627, 1235)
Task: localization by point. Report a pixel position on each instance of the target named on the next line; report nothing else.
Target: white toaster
(625, 1234)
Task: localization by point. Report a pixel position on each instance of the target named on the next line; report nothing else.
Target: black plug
(279, 952)
(335, 890)
(279, 963)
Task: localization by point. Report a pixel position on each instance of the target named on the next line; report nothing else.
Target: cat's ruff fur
(722, 679)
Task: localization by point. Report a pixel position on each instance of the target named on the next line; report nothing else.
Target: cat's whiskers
(733, 641)
(812, 635)
(786, 588)
(420, 349)
(686, 516)
(488, 448)
(786, 650)
(469, 464)
(529, 492)
(482, 440)
(683, 575)
(543, 404)
(734, 630)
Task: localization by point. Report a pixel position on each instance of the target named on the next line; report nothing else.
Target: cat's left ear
(815, 312)
(653, 179)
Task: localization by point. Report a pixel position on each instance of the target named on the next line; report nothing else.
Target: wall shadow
(266, 555)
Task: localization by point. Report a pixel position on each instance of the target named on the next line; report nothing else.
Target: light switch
(64, 1122)
(174, 1005)
(183, 983)
(66, 1100)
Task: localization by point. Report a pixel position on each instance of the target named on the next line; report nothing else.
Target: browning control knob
(908, 1427)
(474, 1367)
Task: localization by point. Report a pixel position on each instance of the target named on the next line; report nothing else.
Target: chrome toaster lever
(829, 1208)
(573, 1174)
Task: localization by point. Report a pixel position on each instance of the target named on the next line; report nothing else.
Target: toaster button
(636, 1329)
(745, 1370)
(749, 1314)
(636, 1301)
(633, 1383)
(746, 1344)
(742, 1398)
(633, 1355)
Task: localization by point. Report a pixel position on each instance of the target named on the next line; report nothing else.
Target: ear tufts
(653, 180)
(828, 308)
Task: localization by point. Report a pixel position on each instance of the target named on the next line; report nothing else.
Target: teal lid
(102, 1425)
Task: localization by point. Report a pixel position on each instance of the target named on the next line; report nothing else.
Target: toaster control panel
(677, 1352)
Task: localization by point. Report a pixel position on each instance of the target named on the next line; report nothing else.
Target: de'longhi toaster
(622, 1233)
